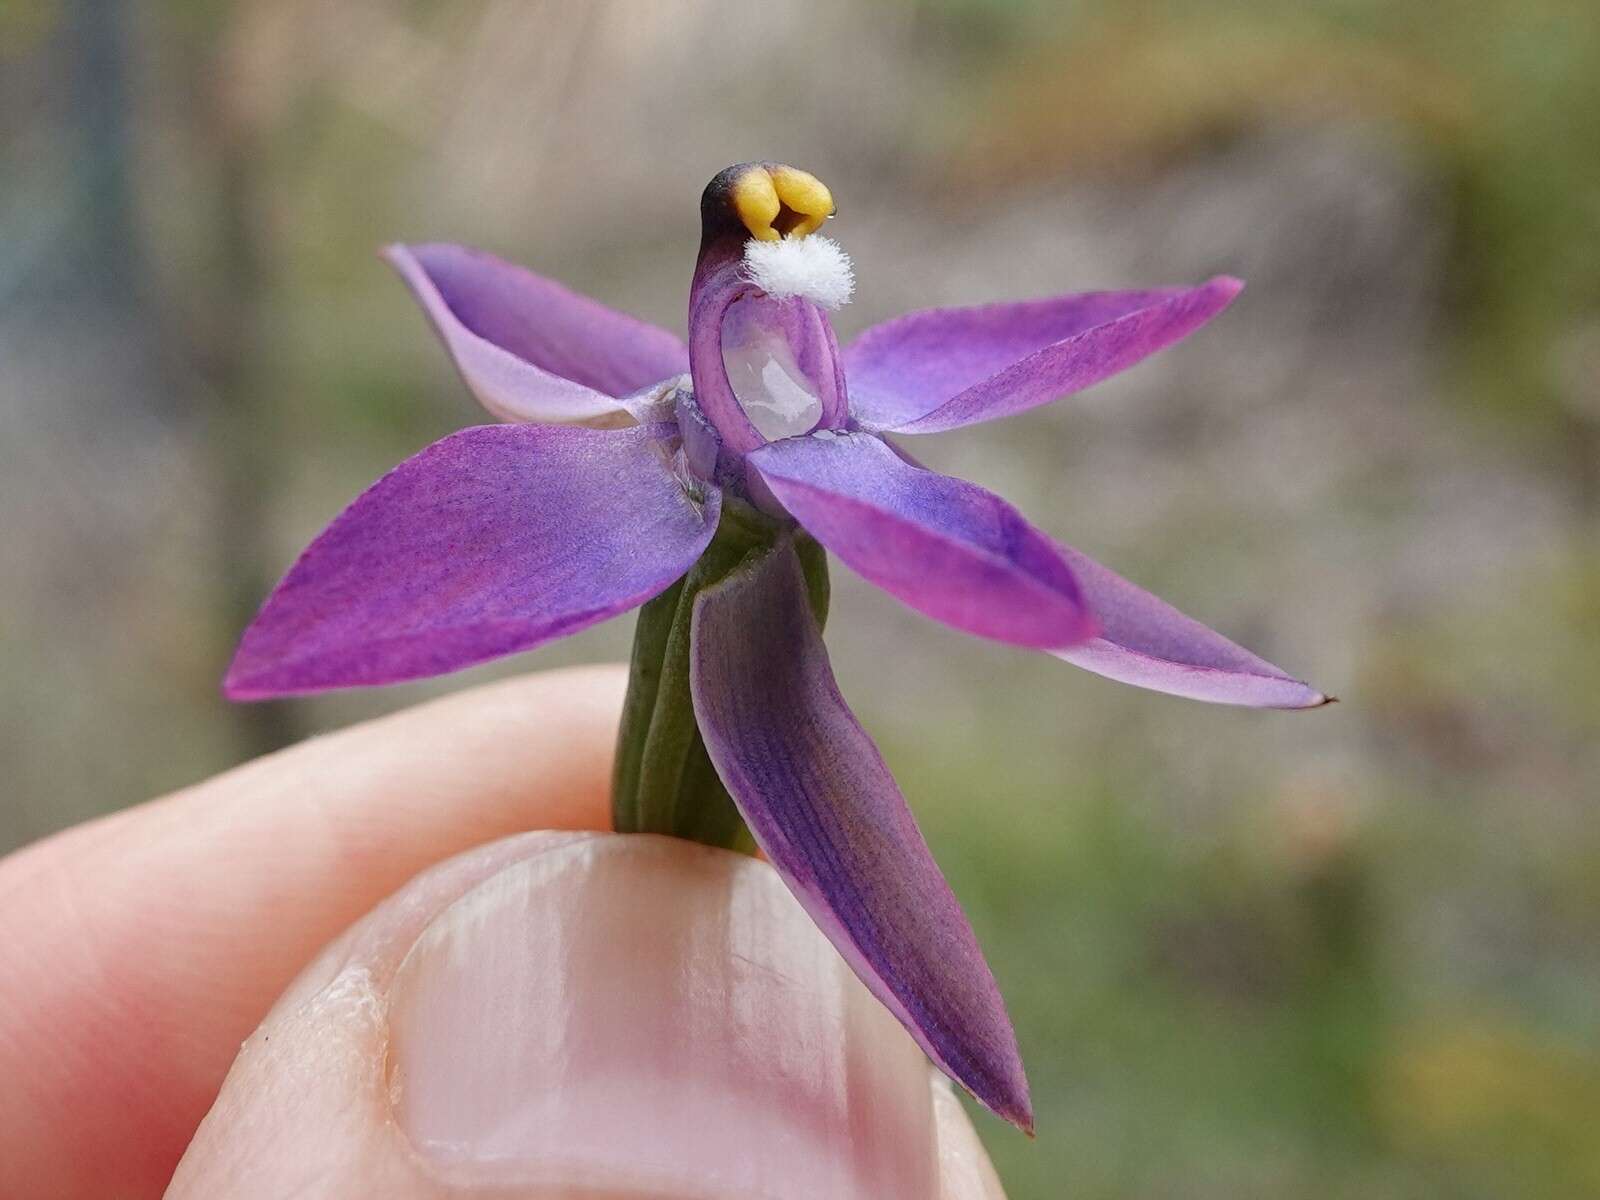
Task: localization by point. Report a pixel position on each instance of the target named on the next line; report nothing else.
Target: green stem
(664, 781)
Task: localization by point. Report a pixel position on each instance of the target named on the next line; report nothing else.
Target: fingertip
(153, 941)
(560, 1013)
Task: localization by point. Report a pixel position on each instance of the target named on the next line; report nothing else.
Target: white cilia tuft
(814, 268)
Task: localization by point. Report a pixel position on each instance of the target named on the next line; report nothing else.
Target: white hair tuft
(814, 268)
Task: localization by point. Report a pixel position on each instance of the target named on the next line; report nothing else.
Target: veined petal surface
(1146, 642)
(828, 815)
(530, 349)
(947, 548)
(948, 367)
(493, 540)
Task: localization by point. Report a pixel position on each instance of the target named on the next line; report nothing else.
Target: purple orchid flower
(624, 454)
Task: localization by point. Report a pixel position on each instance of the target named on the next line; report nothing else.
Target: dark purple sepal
(826, 812)
(494, 540)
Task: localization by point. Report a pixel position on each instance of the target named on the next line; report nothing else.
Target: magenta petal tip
(1146, 642)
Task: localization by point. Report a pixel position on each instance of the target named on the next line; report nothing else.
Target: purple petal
(947, 548)
(529, 349)
(826, 812)
(948, 367)
(1146, 642)
(491, 541)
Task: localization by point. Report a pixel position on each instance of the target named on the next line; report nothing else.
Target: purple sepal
(826, 812)
(530, 349)
(946, 547)
(493, 540)
(1146, 642)
(947, 367)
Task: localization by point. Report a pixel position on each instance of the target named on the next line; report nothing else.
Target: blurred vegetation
(1501, 100)
(1352, 953)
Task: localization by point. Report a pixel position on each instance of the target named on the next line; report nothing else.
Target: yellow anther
(777, 202)
(755, 199)
(806, 195)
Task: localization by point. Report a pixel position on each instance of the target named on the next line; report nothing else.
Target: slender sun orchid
(706, 481)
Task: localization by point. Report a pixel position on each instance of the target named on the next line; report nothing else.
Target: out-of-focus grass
(1249, 1003)
(1502, 95)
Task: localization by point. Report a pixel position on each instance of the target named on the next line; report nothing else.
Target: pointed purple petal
(491, 541)
(529, 349)
(827, 813)
(1146, 642)
(946, 547)
(948, 367)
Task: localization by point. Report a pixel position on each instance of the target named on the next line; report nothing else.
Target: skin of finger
(306, 1109)
(139, 951)
(965, 1171)
(311, 1076)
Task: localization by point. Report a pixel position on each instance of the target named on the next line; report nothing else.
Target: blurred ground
(1351, 952)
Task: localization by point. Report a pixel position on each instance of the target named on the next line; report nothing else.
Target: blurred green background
(1354, 952)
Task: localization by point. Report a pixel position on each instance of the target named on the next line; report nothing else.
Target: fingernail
(649, 1016)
